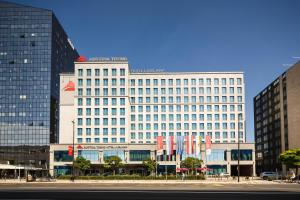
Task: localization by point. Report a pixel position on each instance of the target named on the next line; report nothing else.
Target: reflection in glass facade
(34, 49)
(108, 153)
(62, 156)
(62, 170)
(139, 155)
(245, 154)
(91, 155)
(216, 169)
(217, 155)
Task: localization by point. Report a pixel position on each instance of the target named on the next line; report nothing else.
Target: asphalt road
(146, 194)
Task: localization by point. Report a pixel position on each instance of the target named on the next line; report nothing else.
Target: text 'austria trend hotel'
(120, 112)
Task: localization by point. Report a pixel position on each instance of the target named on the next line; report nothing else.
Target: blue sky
(257, 37)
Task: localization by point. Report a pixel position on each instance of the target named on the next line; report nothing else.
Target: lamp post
(73, 152)
(239, 153)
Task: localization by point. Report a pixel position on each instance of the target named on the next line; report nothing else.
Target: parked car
(271, 175)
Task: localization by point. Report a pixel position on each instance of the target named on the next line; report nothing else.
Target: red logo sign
(70, 86)
(79, 147)
(81, 59)
(70, 150)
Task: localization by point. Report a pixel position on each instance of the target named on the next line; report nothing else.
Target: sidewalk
(207, 181)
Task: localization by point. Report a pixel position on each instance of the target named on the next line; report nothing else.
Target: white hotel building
(115, 107)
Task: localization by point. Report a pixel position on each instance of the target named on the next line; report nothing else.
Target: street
(148, 191)
(145, 194)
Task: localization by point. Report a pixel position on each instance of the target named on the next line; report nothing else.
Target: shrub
(131, 177)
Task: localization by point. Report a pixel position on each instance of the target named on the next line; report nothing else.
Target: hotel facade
(109, 110)
(277, 120)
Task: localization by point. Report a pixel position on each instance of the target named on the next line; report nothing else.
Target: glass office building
(34, 49)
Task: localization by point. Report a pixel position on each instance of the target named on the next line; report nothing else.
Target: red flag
(192, 144)
(208, 144)
(187, 147)
(159, 145)
(171, 144)
(70, 150)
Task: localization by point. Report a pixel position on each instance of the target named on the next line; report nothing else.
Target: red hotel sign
(70, 86)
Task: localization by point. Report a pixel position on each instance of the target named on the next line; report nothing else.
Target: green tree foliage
(82, 164)
(113, 163)
(150, 165)
(191, 163)
(291, 158)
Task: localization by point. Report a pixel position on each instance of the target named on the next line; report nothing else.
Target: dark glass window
(245, 154)
(139, 155)
(62, 156)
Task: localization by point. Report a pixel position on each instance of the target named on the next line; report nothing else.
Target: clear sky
(258, 37)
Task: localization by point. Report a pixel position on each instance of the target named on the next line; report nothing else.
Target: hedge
(130, 177)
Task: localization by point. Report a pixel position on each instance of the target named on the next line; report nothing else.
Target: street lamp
(73, 152)
(239, 153)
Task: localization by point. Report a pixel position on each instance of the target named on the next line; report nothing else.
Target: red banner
(159, 145)
(70, 151)
(208, 144)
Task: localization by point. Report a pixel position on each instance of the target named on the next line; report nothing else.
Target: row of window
(185, 81)
(105, 111)
(113, 92)
(184, 126)
(104, 140)
(105, 101)
(105, 131)
(113, 82)
(113, 121)
(163, 108)
(215, 135)
(152, 135)
(186, 99)
(186, 108)
(186, 90)
(105, 72)
(184, 117)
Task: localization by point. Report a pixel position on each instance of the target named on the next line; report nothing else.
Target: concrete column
(254, 164)
(228, 155)
(51, 163)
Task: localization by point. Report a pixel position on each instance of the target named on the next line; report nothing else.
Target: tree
(113, 163)
(82, 164)
(291, 158)
(150, 165)
(191, 162)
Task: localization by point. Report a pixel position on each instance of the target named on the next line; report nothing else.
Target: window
(88, 72)
(231, 81)
(139, 155)
(62, 156)
(80, 82)
(97, 72)
(88, 101)
(97, 82)
(216, 81)
(140, 82)
(239, 81)
(114, 72)
(245, 154)
(132, 82)
(122, 101)
(79, 131)
(105, 72)
(80, 72)
(122, 72)
(208, 81)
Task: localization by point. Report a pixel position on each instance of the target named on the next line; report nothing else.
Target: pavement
(159, 185)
